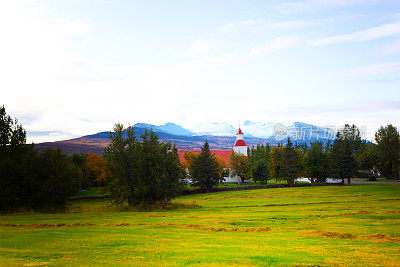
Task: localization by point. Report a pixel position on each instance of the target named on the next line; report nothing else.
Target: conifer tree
(32, 179)
(316, 163)
(142, 171)
(259, 158)
(347, 142)
(205, 169)
(388, 151)
(292, 162)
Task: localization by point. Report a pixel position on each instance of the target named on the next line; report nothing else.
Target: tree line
(144, 170)
(30, 179)
(348, 156)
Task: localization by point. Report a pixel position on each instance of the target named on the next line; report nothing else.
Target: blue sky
(72, 68)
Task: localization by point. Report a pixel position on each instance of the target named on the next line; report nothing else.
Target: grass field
(333, 225)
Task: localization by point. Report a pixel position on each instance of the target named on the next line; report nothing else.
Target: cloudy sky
(75, 67)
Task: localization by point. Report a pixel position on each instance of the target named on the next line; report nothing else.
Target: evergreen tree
(51, 180)
(346, 145)
(367, 160)
(30, 179)
(388, 151)
(275, 165)
(142, 171)
(292, 164)
(347, 165)
(316, 163)
(260, 172)
(258, 158)
(205, 169)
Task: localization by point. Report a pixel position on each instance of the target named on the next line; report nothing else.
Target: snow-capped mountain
(258, 129)
(169, 127)
(297, 131)
(309, 133)
(214, 129)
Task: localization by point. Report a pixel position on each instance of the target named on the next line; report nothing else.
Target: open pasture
(333, 225)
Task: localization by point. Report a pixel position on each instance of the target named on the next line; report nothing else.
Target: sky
(75, 67)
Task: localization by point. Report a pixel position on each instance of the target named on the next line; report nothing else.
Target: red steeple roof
(240, 131)
(240, 142)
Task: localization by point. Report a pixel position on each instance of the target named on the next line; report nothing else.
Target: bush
(52, 180)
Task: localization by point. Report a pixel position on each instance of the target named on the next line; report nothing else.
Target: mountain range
(221, 136)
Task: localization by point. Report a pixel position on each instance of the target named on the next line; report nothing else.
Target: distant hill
(221, 136)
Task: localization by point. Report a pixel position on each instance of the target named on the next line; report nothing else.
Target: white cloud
(396, 16)
(262, 25)
(279, 43)
(386, 30)
(312, 5)
(375, 69)
(392, 48)
(201, 46)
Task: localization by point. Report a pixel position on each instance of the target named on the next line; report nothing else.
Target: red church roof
(240, 143)
(224, 154)
(240, 131)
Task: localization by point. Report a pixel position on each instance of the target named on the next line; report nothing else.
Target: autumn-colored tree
(223, 167)
(188, 157)
(96, 169)
(240, 165)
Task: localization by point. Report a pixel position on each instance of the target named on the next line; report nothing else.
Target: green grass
(379, 180)
(335, 225)
(94, 191)
(229, 185)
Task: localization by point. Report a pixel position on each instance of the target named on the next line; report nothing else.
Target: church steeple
(240, 145)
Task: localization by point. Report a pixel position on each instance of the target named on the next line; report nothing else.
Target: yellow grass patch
(117, 224)
(36, 264)
(210, 228)
(60, 225)
(379, 238)
(343, 214)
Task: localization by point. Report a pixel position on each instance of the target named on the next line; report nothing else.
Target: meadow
(332, 225)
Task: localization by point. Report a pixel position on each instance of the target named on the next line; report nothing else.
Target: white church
(240, 147)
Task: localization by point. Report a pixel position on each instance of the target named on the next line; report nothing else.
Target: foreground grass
(334, 225)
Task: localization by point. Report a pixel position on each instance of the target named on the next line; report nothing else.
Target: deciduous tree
(239, 165)
(96, 169)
